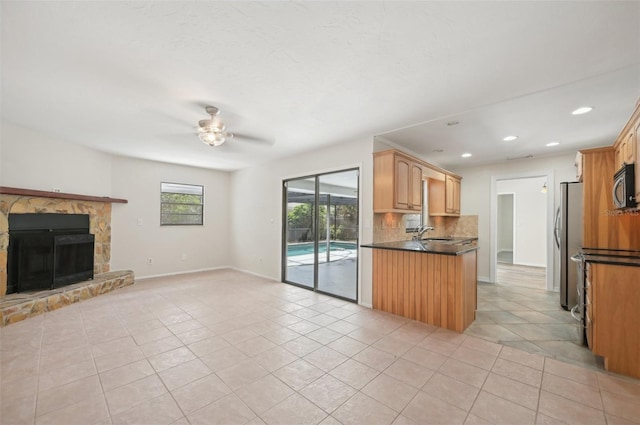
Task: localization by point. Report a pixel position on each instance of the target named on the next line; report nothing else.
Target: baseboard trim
(530, 265)
(484, 279)
(182, 272)
(254, 274)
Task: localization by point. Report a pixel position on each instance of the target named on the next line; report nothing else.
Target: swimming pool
(307, 248)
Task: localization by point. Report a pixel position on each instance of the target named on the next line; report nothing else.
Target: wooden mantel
(59, 195)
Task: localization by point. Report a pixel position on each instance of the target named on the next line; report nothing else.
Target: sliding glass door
(300, 241)
(320, 241)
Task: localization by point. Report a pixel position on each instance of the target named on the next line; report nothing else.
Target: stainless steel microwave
(624, 193)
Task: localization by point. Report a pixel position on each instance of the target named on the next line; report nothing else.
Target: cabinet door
(402, 189)
(452, 195)
(456, 195)
(620, 154)
(636, 143)
(578, 165)
(629, 147)
(415, 201)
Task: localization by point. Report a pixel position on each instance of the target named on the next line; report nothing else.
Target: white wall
(173, 249)
(34, 161)
(505, 222)
(30, 160)
(256, 205)
(530, 219)
(476, 193)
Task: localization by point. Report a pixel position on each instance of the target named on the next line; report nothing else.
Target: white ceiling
(132, 78)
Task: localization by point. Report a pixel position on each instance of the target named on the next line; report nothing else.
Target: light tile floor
(529, 319)
(225, 347)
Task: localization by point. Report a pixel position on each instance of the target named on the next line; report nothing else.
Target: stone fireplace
(22, 201)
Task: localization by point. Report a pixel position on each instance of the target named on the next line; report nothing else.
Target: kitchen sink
(440, 240)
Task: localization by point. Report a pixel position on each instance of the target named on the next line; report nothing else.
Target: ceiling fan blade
(253, 139)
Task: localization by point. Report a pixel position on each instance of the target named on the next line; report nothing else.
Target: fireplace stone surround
(20, 201)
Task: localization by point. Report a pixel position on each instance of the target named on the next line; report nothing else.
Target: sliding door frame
(316, 242)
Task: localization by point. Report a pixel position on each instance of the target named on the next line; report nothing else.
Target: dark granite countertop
(449, 246)
(611, 256)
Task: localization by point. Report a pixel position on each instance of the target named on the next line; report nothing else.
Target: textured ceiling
(132, 78)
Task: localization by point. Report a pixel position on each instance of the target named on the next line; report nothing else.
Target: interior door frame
(550, 211)
(316, 219)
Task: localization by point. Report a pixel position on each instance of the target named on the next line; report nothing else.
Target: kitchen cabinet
(636, 143)
(604, 226)
(579, 164)
(613, 314)
(429, 287)
(599, 225)
(452, 194)
(627, 147)
(444, 196)
(397, 183)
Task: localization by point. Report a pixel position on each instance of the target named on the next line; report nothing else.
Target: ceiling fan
(212, 131)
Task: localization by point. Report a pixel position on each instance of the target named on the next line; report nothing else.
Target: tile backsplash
(390, 227)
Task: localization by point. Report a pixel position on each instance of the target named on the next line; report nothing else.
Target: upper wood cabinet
(603, 226)
(397, 183)
(444, 196)
(626, 145)
(452, 194)
(636, 144)
(579, 165)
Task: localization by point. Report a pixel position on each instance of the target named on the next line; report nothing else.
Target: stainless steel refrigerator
(568, 237)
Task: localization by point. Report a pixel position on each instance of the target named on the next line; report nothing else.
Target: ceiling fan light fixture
(212, 131)
(212, 138)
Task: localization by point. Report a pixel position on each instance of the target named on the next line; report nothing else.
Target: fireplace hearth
(47, 251)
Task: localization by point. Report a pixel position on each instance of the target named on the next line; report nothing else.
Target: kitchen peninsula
(432, 281)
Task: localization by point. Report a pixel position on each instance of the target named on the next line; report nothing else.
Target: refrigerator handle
(556, 228)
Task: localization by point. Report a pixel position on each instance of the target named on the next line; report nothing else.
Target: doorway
(505, 228)
(320, 233)
(520, 241)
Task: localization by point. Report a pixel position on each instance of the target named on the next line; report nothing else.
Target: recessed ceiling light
(510, 138)
(582, 110)
(553, 144)
(466, 155)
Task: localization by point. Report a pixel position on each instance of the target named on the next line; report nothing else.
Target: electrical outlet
(56, 190)
(183, 257)
(149, 260)
(140, 222)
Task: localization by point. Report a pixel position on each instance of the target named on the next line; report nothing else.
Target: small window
(181, 204)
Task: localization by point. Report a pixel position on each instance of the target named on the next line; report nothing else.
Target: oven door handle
(574, 313)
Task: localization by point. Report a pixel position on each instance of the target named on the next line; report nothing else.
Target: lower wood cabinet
(613, 316)
(433, 288)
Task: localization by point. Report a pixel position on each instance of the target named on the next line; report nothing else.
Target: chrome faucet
(420, 230)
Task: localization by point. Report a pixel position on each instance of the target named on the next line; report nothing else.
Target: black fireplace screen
(48, 251)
